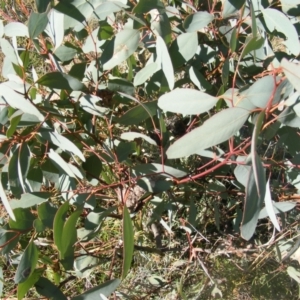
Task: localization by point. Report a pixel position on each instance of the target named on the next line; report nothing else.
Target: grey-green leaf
(163, 61)
(120, 48)
(61, 81)
(187, 102)
(37, 24)
(16, 29)
(144, 74)
(30, 199)
(128, 240)
(62, 142)
(27, 263)
(131, 136)
(197, 21)
(214, 131)
(46, 288)
(105, 288)
(88, 103)
(278, 207)
(292, 72)
(276, 20)
(153, 168)
(253, 200)
(18, 101)
(183, 48)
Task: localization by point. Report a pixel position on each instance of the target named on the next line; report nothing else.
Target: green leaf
(24, 156)
(198, 79)
(197, 21)
(183, 48)
(84, 265)
(27, 264)
(93, 166)
(120, 48)
(105, 288)
(233, 40)
(163, 61)
(276, 20)
(107, 8)
(252, 43)
(270, 208)
(131, 136)
(68, 239)
(6, 203)
(121, 85)
(146, 72)
(128, 240)
(278, 207)
(62, 142)
(231, 7)
(105, 30)
(214, 131)
(153, 168)
(42, 5)
(79, 11)
(30, 199)
(124, 149)
(18, 101)
(61, 164)
(24, 219)
(61, 81)
(37, 24)
(65, 53)
(241, 173)
(47, 289)
(35, 178)
(292, 72)
(8, 240)
(50, 172)
(88, 103)
(18, 169)
(293, 273)
(255, 161)
(46, 214)
(13, 126)
(25, 286)
(8, 51)
(25, 59)
(187, 102)
(261, 91)
(160, 24)
(138, 114)
(253, 200)
(55, 29)
(58, 225)
(144, 6)
(16, 29)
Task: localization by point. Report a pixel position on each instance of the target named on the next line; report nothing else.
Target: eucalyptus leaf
(105, 288)
(120, 48)
(163, 61)
(128, 241)
(214, 131)
(275, 19)
(37, 24)
(27, 264)
(187, 102)
(197, 21)
(131, 136)
(58, 80)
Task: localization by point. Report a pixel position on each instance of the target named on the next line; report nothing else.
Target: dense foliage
(182, 117)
